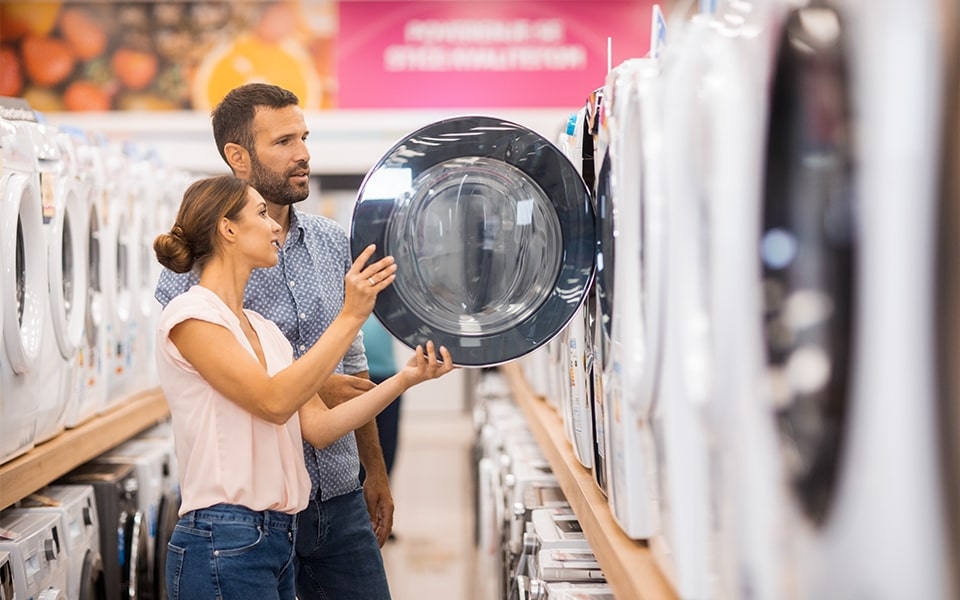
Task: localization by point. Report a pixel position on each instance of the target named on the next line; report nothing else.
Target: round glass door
(493, 233)
(808, 253)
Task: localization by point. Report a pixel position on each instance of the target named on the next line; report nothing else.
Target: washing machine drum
(808, 253)
(492, 229)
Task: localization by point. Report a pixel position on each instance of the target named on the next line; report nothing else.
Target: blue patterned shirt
(303, 294)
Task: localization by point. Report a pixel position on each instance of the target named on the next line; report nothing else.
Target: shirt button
(292, 283)
(303, 316)
(302, 347)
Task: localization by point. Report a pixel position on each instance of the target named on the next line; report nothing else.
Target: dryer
(37, 555)
(23, 284)
(123, 531)
(492, 229)
(75, 505)
(7, 584)
(847, 267)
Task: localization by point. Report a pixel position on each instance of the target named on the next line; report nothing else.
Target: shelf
(628, 564)
(28, 473)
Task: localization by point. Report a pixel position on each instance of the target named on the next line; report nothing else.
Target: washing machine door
(134, 568)
(67, 266)
(6, 577)
(808, 252)
(492, 230)
(92, 586)
(23, 272)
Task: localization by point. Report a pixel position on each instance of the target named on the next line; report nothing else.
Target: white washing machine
(847, 266)
(7, 584)
(81, 327)
(683, 547)
(117, 239)
(631, 366)
(23, 284)
(748, 531)
(37, 555)
(94, 349)
(75, 505)
(64, 227)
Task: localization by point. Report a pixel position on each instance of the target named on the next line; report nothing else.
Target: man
(261, 134)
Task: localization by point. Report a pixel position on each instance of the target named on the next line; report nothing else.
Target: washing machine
(75, 505)
(7, 584)
(630, 367)
(35, 544)
(118, 248)
(123, 529)
(158, 502)
(85, 314)
(848, 285)
(492, 229)
(65, 244)
(23, 285)
(746, 512)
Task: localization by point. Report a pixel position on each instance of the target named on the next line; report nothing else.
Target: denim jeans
(338, 557)
(229, 552)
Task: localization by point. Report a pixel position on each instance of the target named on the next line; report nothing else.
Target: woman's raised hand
(426, 365)
(363, 282)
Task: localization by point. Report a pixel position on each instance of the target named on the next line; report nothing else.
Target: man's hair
(233, 117)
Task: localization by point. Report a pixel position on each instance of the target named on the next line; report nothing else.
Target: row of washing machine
(98, 533)
(758, 378)
(529, 541)
(78, 214)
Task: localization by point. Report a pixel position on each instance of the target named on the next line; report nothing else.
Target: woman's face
(259, 235)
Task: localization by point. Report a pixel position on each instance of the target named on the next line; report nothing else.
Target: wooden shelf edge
(628, 564)
(43, 464)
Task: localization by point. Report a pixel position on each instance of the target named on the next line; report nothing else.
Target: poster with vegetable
(154, 55)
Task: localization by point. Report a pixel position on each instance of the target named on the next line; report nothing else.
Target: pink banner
(457, 54)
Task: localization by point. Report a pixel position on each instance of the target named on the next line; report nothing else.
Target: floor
(433, 554)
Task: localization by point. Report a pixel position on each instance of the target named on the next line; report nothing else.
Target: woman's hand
(363, 282)
(423, 366)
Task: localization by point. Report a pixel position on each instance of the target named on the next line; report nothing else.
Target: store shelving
(628, 564)
(43, 464)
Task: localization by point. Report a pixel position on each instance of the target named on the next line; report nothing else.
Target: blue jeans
(229, 552)
(338, 557)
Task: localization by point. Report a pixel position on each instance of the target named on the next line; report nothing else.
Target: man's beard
(275, 187)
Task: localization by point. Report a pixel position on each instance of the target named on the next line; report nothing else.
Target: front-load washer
(121, 247)
(76, 507)
(23, 283)
(492, 229)
(632, 486)
(81, 325)
(63, 219)
(123, 531)
(847, 266)
(156, 499)
(7, 584)
(35, 544)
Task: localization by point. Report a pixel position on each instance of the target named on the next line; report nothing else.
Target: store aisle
(433, 554)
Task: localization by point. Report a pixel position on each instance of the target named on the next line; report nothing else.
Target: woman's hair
(191, 240)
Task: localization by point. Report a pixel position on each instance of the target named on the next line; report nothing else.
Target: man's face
(280, 161)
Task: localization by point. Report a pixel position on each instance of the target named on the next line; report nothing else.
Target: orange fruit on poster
(248, 59)
(18, 19)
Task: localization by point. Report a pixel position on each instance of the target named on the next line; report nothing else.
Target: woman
(234, 390)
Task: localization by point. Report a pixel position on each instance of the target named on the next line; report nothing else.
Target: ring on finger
(372, 282)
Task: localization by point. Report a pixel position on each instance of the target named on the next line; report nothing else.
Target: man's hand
(376, 491)
(339, 388)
